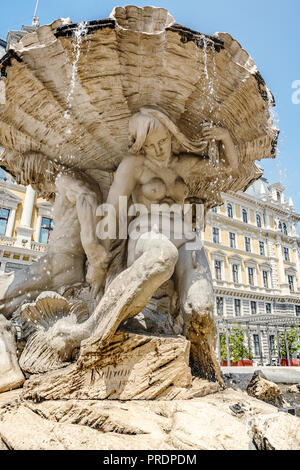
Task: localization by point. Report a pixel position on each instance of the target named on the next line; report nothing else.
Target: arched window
(258, 220)
(229, 211)
(245, 216)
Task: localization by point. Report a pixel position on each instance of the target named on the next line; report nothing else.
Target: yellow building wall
(208, 233)
(223, 209)
(18, 216)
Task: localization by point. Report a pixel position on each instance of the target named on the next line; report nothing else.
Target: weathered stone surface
(11, 397)
(131, 366)
(261, 388)
(10, 373)
(294, 389)
(2, 445)
(22, 429)
(203, 423)
(279, 431)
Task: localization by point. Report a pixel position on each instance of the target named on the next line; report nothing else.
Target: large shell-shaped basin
(68, 91)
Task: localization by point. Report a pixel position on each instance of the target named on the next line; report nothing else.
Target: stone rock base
(132, 366)
(262, 389)
(227, 420)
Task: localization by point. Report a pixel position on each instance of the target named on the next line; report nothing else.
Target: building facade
(2, 47)
(25, 224)
(253, 248)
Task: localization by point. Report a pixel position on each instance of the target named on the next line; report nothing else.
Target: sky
(267, 29)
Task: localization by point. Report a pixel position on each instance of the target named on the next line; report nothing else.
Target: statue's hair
(149, 119)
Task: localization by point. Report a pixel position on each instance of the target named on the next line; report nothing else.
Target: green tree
(293, 340)
(236, 340)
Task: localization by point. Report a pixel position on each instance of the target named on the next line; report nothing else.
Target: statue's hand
(213, 132)
(95, 276)
(97, 268)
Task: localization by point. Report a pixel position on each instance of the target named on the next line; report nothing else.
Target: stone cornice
(242, 253)
(14, 186)
(251, 228)
(270, 320)
(273, 297)
(261, 203)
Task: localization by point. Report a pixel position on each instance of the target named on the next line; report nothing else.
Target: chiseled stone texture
(206, 423)
(132, 366)
(261, 388)
(279, 431)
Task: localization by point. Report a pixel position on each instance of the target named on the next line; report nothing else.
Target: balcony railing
(13, 242)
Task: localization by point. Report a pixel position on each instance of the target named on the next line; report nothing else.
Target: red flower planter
(238, 363)
(293, 362)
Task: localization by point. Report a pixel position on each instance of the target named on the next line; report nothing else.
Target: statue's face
(157, 145)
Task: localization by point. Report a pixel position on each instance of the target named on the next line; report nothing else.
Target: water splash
(79, 34)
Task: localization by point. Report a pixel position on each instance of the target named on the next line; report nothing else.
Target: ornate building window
(258, 220)
(284, 228)
(280, 226)
(237, 307)
(245, 216)
(268, 308)
(278, 195)
(229, 211)
(253, 307)
(297, 310)
(235, 273)
(248, 244)
(46, 229)
(215, 210)
(291, 283)
(4, 214)
(251, 276)
(220, 306)
(265, 279)
(216, 235)
(286, 253)
(218, 270)
(232, 240)
(261, 248)
(256, 345)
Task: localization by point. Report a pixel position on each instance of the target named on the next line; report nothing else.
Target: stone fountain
(132, 109)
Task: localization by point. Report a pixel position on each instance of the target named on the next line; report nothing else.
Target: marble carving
(133, 110)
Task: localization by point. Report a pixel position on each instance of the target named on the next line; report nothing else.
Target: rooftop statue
(137, 110)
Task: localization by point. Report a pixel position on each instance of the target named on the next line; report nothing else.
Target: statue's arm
(229, 151)
(192, 166)
(125, 180)
(85, 199)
